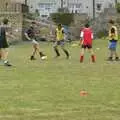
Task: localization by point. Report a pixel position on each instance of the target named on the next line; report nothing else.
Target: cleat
(32, 58)
(7, 64)
(110, 59)
(117, 59)
(57, 56)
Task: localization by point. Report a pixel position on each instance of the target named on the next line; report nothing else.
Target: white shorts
(34, 42)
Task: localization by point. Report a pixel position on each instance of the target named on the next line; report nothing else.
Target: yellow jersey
(60, 34)
(113, 35)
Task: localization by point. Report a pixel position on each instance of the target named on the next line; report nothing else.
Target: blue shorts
(112, 45)
(59, 43)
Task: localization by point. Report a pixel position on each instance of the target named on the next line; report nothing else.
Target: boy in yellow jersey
(60, 41)
(113, 39)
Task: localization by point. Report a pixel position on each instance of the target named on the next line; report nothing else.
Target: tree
(26, 2)
(63, 18)
(63, 10)
(61, 3)
(118, 7)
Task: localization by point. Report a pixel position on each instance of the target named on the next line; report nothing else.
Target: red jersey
(87, 36)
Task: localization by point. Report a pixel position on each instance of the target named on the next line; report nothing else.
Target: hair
(87, 25)
(111, 21)
(33, 22)
(5, 21)
(113, 30)
(60, 24)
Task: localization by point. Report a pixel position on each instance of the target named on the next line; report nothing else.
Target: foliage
(102, 33)
(63, 18)
(118, 7)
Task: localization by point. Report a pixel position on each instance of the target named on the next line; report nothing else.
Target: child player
(86, 38)
(113, 39)
(30, 34)
(59, 34)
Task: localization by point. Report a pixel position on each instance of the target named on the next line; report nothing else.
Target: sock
(66, 52)
(93, 58)
(117, 58)
(81, 58)
(41, 54)
(32, 57)
(110, 58)
(57, 52)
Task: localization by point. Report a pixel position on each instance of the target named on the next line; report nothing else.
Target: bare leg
(34, 52)
(110, 58)
(82, 55)
(5, 57)
(38, 50)
(92, 55)
(116, 56)
(0, 54)
(5, 54)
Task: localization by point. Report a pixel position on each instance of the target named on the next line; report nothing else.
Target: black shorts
(3, 44)
(87, 46)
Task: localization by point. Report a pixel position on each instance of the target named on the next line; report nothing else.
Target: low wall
(16, 23)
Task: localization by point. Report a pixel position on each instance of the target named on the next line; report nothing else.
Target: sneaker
(68, 57)
(117, 59)
(57, 56)
(32, 58)
(7, 64)
(110, 59)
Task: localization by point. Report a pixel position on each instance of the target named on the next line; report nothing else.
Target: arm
(55, 36)
(81, 37)
(26, 35)
(92, 36)
(10, 35)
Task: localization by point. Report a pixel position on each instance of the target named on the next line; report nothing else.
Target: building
(91, 7)
(13, 10)
(44, 7)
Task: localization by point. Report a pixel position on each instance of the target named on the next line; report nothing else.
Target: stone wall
(16, 24)
(12, 6)
(101, 23)
(79, 21)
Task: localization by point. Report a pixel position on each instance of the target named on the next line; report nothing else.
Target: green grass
(50, 90)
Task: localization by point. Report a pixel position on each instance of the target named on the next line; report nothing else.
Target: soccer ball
(44, 58)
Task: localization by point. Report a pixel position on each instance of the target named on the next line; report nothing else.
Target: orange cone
(83, 93)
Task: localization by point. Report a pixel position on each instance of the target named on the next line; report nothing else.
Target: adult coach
(3, 42)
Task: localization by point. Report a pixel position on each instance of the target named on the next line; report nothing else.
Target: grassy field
(50, 90)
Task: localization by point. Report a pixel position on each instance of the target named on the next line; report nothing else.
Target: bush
(102, 33)
(63, 18)
(118, 7)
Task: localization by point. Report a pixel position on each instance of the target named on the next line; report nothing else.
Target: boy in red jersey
(86, 38)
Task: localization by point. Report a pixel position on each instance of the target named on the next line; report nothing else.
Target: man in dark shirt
(3, 42)
(30, 34)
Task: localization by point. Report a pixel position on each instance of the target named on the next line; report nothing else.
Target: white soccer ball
(98, 48)
(44, 58)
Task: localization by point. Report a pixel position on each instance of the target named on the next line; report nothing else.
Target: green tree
(118, 7)
(63, 18)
